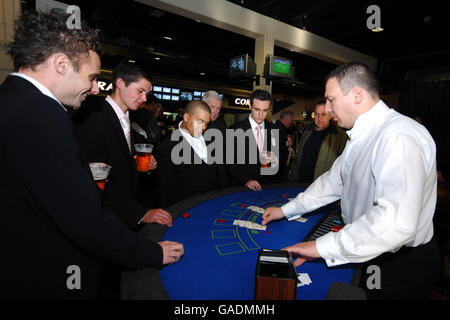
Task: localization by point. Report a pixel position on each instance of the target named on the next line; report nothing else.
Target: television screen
(281, 65)
(238, 64)
(167, 90)
(175, 98)
(197, 94)
(175, 91)
(158, 95)
(157, 89)
(242, 65)
(186, 96)
(166, 97)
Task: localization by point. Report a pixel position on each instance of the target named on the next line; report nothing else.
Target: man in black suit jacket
(216, 125)
(185, 167)
(283, 124)
(55, 233)
(103, 132)
(247, 171)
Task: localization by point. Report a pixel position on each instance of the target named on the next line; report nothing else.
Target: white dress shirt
(43, 89)
(124, 119)
(253, 124)
(198, 144)
(386, 180)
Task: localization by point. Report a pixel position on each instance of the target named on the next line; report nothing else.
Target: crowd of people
(383, 170)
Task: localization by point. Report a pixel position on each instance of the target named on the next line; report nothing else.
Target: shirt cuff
(329, 250)
(290, 210)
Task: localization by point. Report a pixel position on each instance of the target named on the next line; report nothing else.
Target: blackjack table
(220, 257)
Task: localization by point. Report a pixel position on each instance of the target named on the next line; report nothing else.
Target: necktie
(126, 130)
(259, 138)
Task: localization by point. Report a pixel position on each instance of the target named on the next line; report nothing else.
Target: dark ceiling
(415, 37)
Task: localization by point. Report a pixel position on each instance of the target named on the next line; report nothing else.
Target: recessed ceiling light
(157, 58)
(202, 73)
(168, 38)
(379, 29)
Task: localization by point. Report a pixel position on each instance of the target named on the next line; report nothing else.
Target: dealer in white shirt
(386, 181)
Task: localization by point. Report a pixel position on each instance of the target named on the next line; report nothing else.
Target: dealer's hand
(270, 214)
(306, 250)
(253, 185)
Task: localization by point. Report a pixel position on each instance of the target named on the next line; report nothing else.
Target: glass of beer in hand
(100, 172)
(143, 156)
(265, 159)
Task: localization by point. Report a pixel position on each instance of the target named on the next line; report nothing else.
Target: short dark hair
(355, 74)
(39, 35)
(129, 71)
(195, 105)
(259, 94)
(320, 101)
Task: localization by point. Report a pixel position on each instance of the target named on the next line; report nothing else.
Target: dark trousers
(408, 274)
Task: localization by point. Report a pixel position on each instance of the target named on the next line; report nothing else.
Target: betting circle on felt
(220, 258)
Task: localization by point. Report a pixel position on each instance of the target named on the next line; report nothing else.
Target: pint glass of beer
(100, 171)
(143, 156)
(265, 159)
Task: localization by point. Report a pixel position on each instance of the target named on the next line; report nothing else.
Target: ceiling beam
(234, 18)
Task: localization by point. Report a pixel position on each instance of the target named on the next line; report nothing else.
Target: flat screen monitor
(280, 67)
(186, 96)
(157, 89)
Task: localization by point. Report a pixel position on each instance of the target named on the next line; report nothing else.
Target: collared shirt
(386, 180)
(198, 144)
(124, 118)
(253, 124)
(43, 89)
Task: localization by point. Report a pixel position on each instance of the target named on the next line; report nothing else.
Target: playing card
(256, 209)
(304, 279)
(249, 225)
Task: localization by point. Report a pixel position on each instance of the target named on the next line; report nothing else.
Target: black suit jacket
(99, 133)
(50, 208)
(249, 170)
(283, 148)
(177, 181)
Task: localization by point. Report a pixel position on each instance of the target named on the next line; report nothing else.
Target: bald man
(184, 168)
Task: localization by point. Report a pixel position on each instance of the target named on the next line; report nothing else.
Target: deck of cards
(256, 209)
(303, 279)
(249, 225)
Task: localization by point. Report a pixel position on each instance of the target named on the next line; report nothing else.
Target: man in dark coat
(55, 233)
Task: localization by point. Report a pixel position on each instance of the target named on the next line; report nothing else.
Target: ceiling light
(168, 38)
(202, 73)
(379, 29)
(157, 58)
